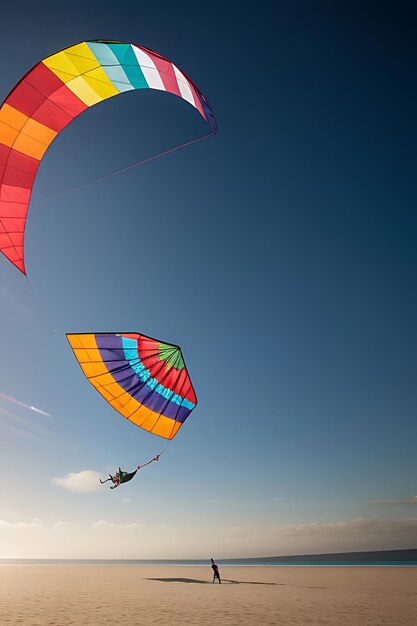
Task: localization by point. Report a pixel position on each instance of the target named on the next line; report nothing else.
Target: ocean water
(397, 558)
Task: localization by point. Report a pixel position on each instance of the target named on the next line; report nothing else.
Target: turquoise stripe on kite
(128, 61)
(120, 50)
(111, 66)
(103, 53)
(133, 358)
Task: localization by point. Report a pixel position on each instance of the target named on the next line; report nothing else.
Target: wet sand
(35, 595)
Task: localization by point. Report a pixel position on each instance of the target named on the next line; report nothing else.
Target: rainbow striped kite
(51, 95)
(144, 379)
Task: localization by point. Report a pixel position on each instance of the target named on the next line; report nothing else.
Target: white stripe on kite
(149, 69)
(183, 86)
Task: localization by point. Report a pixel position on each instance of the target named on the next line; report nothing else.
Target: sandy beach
(264, 596)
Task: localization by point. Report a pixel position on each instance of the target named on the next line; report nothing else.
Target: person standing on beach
(216, 573)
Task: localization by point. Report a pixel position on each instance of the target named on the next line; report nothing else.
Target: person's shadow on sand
(232, 582)
(207, 582)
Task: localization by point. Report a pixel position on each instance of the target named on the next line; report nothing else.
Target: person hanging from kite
(122, 477)
(150, 384)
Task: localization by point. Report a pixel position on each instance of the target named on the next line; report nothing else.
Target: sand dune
(174, 596)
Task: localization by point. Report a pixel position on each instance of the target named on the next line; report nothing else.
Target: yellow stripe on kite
(82, 57)
(101, 83)
(83, 91)
(59, 63)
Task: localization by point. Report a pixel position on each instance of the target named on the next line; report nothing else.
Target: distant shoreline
(399, 558)
(371, 556)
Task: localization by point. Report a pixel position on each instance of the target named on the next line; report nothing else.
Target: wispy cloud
(86, 481)
(17, 402)
(103, 524)
(61, 525)
(211, 501)
(165, 527)
(411, 500)
(321, 537)
(35, 523)
(36, 410)
(21, 425)
(353, 529)
(361, 526)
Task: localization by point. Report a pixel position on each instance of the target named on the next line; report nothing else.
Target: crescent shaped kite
(51, 95)
(144, 379)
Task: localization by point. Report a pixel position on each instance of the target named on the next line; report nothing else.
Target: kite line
(125, 169)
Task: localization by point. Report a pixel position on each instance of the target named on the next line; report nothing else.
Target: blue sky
(279, 254)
